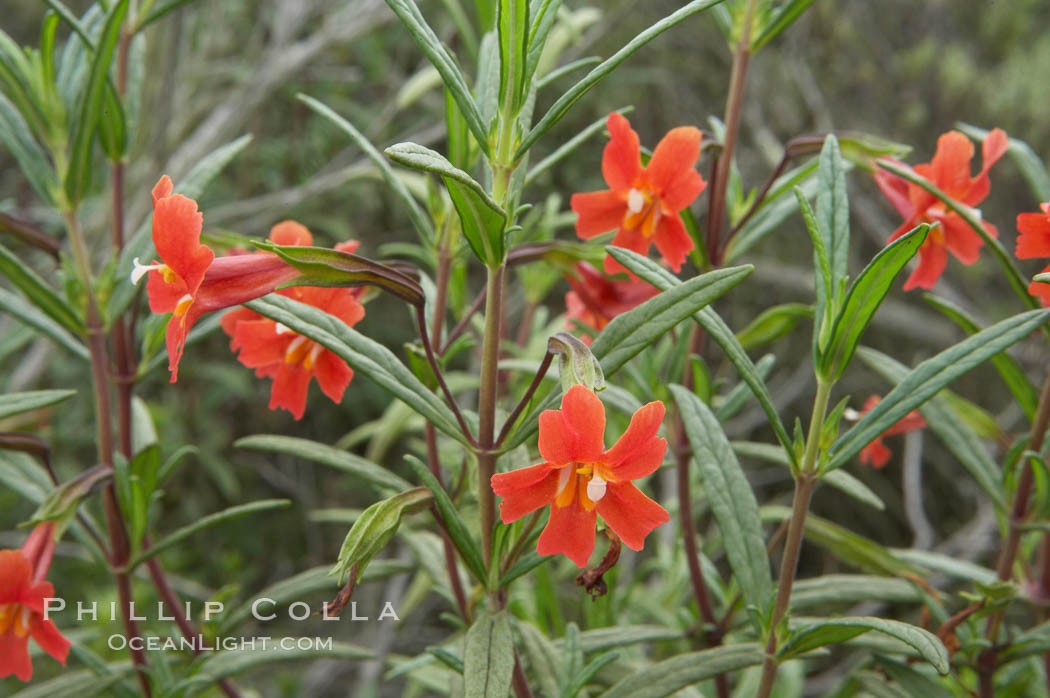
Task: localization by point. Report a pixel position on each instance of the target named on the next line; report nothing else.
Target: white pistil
(141, 270)
(280, 329)
(596, 488)
(635, 201)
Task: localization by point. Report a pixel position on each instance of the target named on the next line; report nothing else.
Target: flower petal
(621, 159)
(875, 454)
(176, 235)
(570, 531)
(291, 233)
(1034, 240)
(672, 240)
(950, 167)
(895, 189)
(639, 451)
(629, 239)
(1041, 290)
(289, 389)
(14, 657)
(630, 514)
(15, 573)
(47, 636)
(670, 171)
(933, 257)
(576, 431)
(597, 212)
(258, 342)
(525, 490)
(961, 239)
(333, 375)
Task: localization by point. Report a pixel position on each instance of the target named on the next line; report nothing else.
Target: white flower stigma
(635, 201)
(141, 270)
(596, 488)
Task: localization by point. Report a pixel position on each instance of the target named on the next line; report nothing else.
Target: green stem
(805, 483)
(487, 406)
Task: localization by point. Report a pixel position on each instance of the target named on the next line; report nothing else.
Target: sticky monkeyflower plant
(568, 466)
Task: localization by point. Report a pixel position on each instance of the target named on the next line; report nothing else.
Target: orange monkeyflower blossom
(642, 203)
(877, 454)
(581, 479)
(189, 281)
(1034, 242)
(596, 299)
(22, 594)
(289, 358)
(950, 172)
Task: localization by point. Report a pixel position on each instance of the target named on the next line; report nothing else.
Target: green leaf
(1026, 160)
(912, 681)
(436, 52)
(542, 18)
(631, 332)
(864, 297)
(785, 15)
(364, 355)
(19, 308)
(1009, 369)
(345, 461)
(959, 438)
(824, 286)
(512, 23)
(488, 662)
(322, 266)
(929, 377)
(173, 539)
(375, 527)
(17, 403)
(90, 109)
(76, 684)
(852, 589)
(140, 244)
(158, 12)
(415, 213)
(730, 497)
(34, 164)
(37, 291)
(715, 328)
(772, 324)
(837, 630)
(833, 207)
(483, 219)
(674, 674)
(574, 93)
(457, 530)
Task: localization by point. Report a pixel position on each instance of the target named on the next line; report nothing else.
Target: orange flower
(595, 299)
(22, 594)
(291, 359)
(642, 203)
(580, 479)
(1034, 242)
(876, 454)
(950, 171)
(190, 281)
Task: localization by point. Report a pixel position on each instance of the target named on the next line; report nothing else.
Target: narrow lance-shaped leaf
(929, 377)
(91, 104)
(780, 21)
(833, 206)
(684, 670)
(457, 530)
(17, 403)
(864, 297)
(408, 12)
(365, 355)
(37, 291)
(574, 93)
(488, 662)
(512, 22)
(1009, 369)
(415, 213)
(482, 218)
(345, 461)
(375, 527)
(730, 497)
(19, 308)
(715, 328)
(839, 630)
(542, 15)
